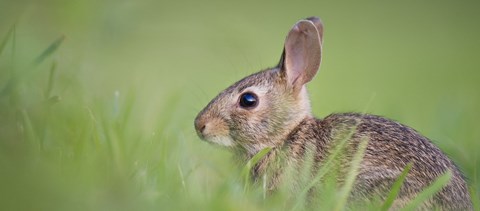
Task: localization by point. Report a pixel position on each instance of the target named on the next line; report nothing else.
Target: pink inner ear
(295, 59)
(302, 53)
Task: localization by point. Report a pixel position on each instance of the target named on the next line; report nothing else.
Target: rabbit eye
(248, 100)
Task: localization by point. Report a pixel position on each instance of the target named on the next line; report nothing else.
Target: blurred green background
(104, 120)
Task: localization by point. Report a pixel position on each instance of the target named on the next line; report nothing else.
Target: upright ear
(302, 53)
(319, 25)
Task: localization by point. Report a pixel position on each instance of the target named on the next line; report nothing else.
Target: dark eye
(248, 100)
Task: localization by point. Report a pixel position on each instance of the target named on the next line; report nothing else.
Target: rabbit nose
(200, 127)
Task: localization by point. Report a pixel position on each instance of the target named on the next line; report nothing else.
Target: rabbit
(271, 108)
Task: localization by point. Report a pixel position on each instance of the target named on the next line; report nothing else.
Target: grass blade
(252, 162)
(326, 166)
(475, 199)
(428, 192)
(396, 188)
(14, 80)
(49, 51)
(29, 131)
(51, 80)
(6, 38)
(352, 175)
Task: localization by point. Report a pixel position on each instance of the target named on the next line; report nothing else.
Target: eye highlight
(248, 100)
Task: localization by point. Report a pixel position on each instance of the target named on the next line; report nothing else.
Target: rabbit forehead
(258, 90)
(259, 83)
(265, 78)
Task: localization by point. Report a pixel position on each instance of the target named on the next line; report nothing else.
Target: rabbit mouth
(225, 141)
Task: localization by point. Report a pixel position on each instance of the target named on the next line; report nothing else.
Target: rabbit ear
(302, 53)
(319, 25)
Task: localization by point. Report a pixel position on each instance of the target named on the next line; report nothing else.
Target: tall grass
(101, 118)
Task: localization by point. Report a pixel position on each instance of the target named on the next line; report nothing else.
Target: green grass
(98, 97)
(395, 190)
(429, 191)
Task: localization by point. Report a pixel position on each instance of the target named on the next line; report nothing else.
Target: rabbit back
(391, 147)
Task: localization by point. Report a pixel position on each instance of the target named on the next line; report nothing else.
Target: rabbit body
(391, 146)
(271, 109)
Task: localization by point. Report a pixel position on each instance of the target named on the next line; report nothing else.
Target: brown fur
(282, 120)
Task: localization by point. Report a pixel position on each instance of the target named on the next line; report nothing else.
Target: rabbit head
(262, 109)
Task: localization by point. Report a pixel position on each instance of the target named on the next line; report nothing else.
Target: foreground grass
(101, 118)
(74, 152)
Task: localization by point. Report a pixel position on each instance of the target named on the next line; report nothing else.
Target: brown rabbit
(271, 108)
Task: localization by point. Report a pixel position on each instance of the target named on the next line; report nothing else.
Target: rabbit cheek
(249, 128)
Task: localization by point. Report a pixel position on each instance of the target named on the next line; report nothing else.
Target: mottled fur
(283, 121)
